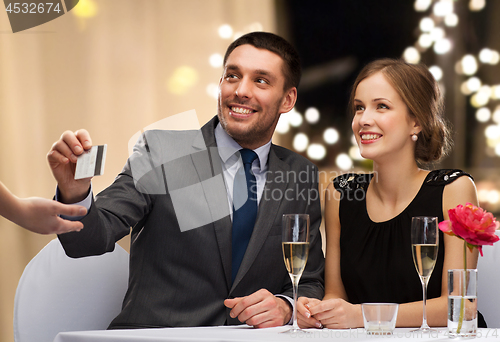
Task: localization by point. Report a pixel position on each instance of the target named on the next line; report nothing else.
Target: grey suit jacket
(171, 192)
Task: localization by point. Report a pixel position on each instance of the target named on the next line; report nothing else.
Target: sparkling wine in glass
(424, 247)
(295, 244)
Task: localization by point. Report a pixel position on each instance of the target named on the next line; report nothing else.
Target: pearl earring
(414, 137)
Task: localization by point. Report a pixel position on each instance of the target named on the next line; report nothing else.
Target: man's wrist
(287, 308)
(86, 202)
(73, 195)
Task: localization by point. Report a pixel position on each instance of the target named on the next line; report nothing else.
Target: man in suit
(176, 192)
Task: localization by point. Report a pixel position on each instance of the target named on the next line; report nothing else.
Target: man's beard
(236, 135)
(255, 132)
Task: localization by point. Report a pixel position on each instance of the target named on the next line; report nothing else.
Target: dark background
(335, 39)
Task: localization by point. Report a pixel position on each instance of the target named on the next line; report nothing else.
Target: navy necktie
(244, 208)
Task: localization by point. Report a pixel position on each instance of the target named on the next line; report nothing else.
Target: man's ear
(289, 100)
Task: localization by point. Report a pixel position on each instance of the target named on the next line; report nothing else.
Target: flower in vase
(477, 228)
(472, 224)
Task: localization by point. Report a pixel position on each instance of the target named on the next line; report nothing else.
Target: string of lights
(438, 19)
(433, 35)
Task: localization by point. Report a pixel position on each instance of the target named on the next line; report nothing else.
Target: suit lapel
(266, 216)
(208, 165)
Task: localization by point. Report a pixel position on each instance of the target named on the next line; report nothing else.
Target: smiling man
(206, 219)
(253, 94)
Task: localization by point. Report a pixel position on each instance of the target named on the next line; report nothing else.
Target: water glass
(379, 318)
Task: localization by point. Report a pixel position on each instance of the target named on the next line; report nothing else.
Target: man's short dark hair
(277, 45)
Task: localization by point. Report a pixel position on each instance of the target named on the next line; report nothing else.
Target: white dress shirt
(231, 162)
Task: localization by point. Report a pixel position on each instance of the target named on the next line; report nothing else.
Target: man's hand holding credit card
(74, 161)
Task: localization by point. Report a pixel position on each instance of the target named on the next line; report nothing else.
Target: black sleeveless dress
(375, 257)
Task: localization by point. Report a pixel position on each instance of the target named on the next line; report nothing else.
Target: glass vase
(462, 303)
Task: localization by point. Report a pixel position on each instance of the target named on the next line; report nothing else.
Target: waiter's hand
(40, 215)
(261, 309)
(62, 159)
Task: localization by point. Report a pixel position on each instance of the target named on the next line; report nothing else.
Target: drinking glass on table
(424, 247)
(295, 244)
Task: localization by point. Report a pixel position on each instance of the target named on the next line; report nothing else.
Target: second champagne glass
(424, 247)
(295, 244)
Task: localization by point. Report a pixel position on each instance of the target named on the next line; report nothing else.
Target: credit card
(91, 162)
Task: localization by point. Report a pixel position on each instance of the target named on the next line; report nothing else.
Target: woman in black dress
(398, 123)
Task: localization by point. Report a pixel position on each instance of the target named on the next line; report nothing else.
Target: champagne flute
(424, 247)
(295, 244)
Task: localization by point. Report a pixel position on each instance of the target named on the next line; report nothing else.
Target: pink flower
(473, 224)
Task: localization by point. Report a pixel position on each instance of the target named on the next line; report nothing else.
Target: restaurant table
(245, 333)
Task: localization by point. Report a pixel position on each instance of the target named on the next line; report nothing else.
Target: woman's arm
(334, 288)
(460, 191)
(334, 311)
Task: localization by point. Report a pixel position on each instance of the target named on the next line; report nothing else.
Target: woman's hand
(304, 318)
(336, 313)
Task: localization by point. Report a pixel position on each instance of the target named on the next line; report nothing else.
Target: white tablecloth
(245, 334)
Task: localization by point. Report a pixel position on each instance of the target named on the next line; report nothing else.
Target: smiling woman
(398, 123)
(381, 122)
(415, 91)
